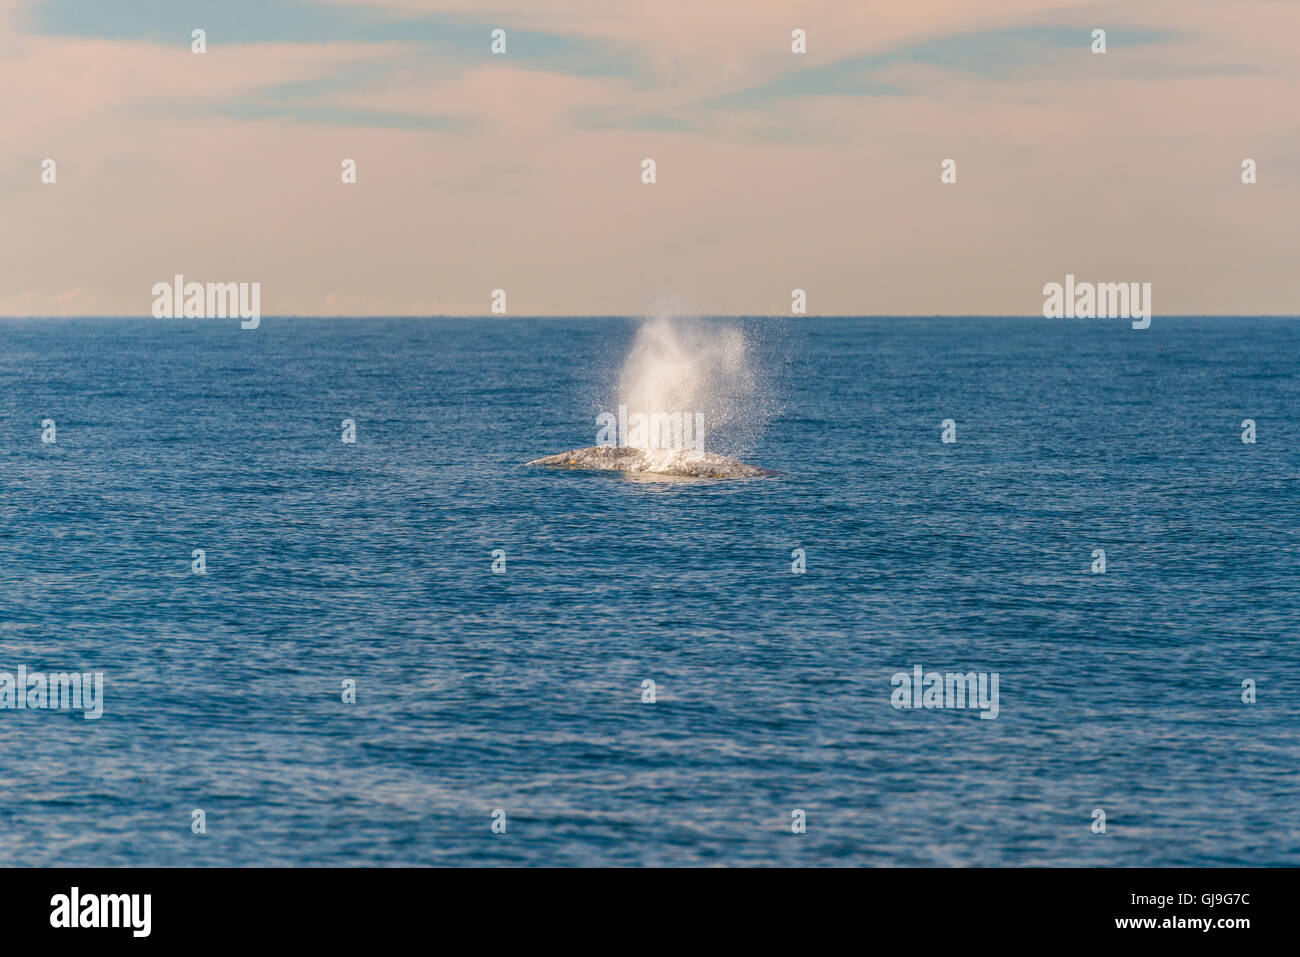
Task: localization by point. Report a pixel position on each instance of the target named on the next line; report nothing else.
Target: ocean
(518, 697)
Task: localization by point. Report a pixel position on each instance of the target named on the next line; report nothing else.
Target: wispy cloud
(437, 46)
(1002, 54)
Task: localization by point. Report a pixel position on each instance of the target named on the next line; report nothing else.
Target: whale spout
(623, 458)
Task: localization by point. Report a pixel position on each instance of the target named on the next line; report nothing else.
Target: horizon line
(702, 315)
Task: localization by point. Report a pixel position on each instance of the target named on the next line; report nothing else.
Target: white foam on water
(663, 462)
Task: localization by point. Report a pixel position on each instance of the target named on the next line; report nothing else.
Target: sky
(523, 171)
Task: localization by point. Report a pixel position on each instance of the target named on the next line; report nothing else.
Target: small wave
(622, 458)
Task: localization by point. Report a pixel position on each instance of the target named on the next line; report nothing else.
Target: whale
(675, 462)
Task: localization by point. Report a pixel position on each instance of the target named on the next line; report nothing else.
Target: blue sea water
(522, 691)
